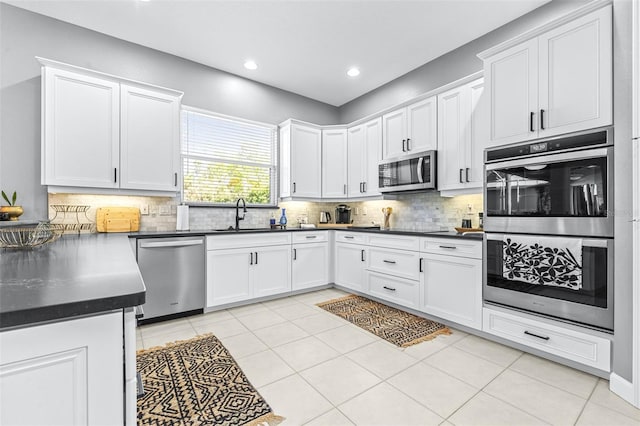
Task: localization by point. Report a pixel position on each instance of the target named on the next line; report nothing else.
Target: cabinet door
(334, 163)
(479, 134)
(81, 130)
(371, 157)
(310, 265)
(149, 139)
(512, 83)
(306, 155)
(271, 271)
(452, 289)
(350, 261)
(576, 75)
(422, 132)
(228, 276)
(394, 134)
(452, 137)
(356, 141)
(63, 373)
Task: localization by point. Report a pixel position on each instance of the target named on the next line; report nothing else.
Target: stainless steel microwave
(412, 173)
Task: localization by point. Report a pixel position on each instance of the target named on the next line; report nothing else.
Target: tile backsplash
(422, 211)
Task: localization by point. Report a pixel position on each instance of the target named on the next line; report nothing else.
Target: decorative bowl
(13, 212)
(27, 237)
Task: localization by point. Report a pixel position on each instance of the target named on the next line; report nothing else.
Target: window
(226, 158)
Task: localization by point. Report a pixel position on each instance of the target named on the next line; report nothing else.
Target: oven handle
(586, 242)
(552, 158)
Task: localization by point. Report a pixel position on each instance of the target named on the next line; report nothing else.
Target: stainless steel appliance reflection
(548, 246)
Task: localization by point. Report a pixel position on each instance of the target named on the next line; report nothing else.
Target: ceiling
(302, 46)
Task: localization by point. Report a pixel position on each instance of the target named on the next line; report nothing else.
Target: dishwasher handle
(171, 244)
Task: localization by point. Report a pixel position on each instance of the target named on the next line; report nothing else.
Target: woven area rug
(197, 382)
(393, 325)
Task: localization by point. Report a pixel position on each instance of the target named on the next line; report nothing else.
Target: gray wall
(452, 66)
(622, 89)
(24, 35)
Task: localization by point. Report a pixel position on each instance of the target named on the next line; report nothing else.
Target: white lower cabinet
(239, 274)
(397, 290)
(350, 266)
(587, 349)
(310, 265)
(63, 373)
(452, 289)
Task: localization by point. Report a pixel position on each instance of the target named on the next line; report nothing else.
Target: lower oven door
(566, 278)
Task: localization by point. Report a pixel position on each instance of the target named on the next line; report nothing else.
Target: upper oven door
(408, 174)
(567, 193)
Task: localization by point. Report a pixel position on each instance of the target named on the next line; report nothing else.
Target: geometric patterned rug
(197, 382)
(393, 325)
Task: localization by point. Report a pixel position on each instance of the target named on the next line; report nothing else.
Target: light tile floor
(316, 369)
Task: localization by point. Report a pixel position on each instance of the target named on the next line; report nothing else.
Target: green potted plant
(12, 211)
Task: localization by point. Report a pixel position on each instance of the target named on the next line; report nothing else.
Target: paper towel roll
(182, 222)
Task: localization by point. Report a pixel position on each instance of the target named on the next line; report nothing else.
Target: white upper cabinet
(364, 154)
(410, 129)
(334, 163)
(300, 159)
(557, 82)
(150, 128)
(462, 134)
(80, 132)
(100, 131)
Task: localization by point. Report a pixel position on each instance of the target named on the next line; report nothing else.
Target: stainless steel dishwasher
(173, 270)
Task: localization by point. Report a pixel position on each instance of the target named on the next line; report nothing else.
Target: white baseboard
(622, 388)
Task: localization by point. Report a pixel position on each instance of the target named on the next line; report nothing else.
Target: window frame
(274, 185)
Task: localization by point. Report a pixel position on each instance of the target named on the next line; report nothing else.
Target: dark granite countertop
(76, 275)
(409, 232)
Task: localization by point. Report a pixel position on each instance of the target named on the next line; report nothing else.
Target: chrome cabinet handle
(404, 143)
(294, 187)
(115, 174)
(251, 258)
(408, 144)
(256, 258)
(449, 247)
(345, 189)
(460, 176)
(541, 119)
(389, 261)
(311, 237)
(175, 179)
(466, 171)
(420, 265)
(362, 255)
(295, 254)
(528, 333)
(349, 237)
(388, 288)
(364, 186)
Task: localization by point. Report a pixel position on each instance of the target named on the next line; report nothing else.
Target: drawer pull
(420, 265)
(528, 333)
(349, 237)
(295, 254)
(362, 255)
(311, 236)
(388, 288)
(449, 247)
(393, 262)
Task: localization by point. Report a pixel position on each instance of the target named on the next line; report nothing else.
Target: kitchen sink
(231, 229)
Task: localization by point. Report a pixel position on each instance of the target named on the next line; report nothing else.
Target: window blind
(226, 158)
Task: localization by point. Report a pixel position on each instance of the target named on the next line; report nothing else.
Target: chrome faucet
(244, 210)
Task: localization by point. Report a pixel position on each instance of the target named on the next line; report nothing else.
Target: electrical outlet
(469, 207)
(144, 209)
(364, 211)
(357, 211)
(165, 210)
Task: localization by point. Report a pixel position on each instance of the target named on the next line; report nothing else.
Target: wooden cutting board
(118, 219)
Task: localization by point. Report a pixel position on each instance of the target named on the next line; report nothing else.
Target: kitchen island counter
(74, 276)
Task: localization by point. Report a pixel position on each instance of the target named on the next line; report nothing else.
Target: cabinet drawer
(397, 290)
(584, 348)
(258, 239)
(352, 237)
(399, 263)
(395, 241)
(462, 247)
(309, 237)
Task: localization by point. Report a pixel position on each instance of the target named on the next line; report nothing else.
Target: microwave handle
(420, 177)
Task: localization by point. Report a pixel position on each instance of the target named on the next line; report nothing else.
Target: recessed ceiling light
(250, 65)
(353, 72)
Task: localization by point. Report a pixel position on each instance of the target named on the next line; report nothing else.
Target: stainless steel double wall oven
(549, 227)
